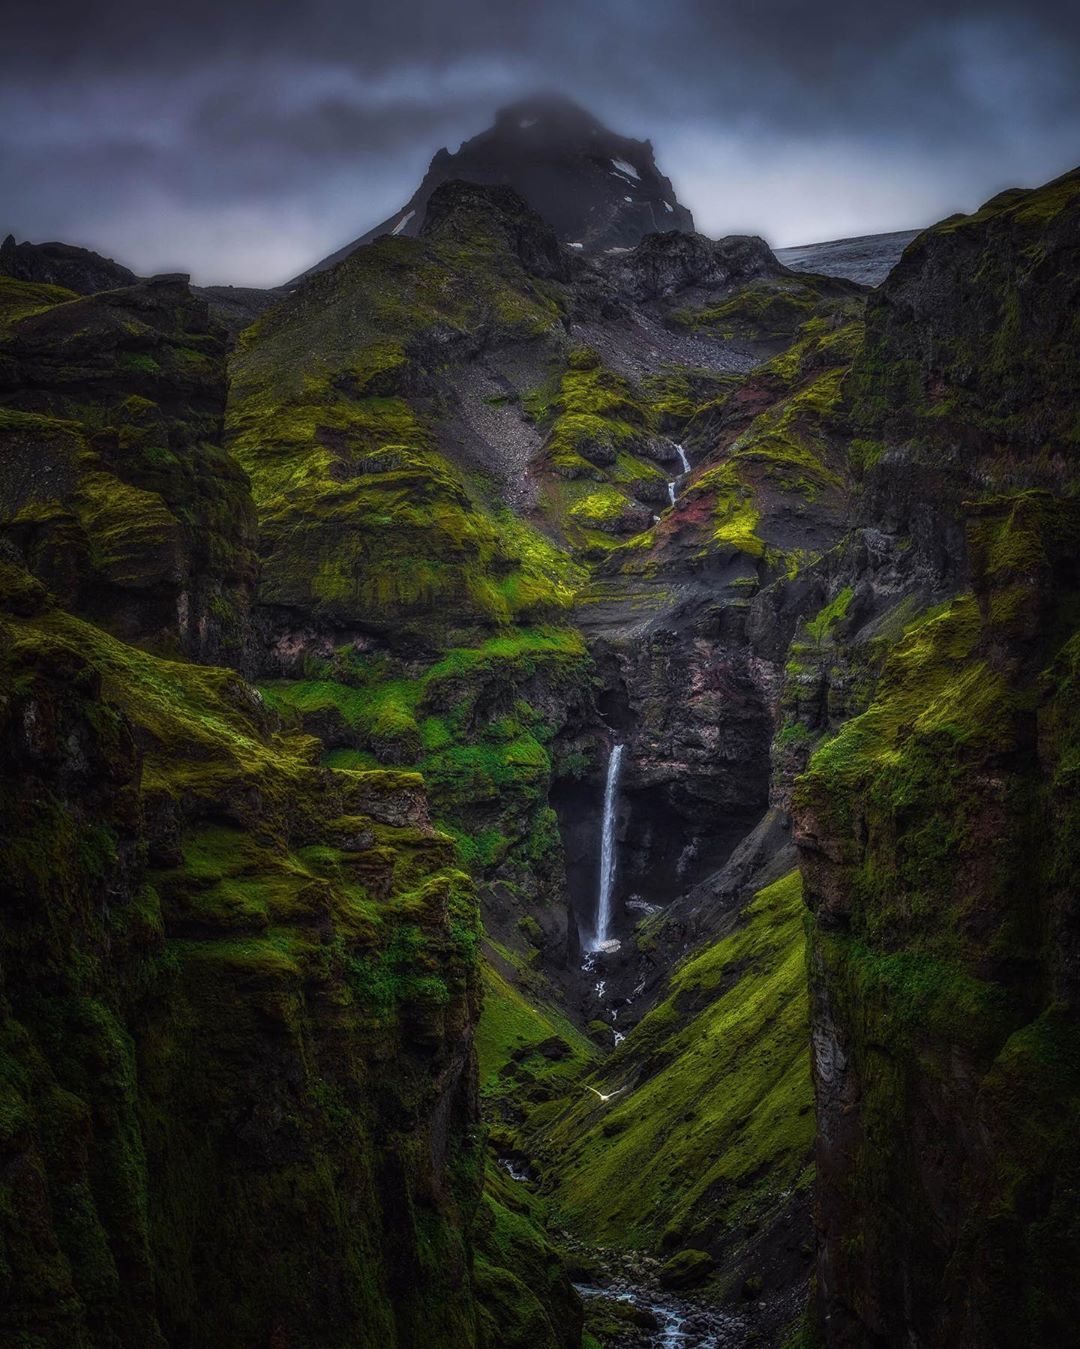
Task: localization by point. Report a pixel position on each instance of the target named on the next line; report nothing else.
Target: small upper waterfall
(685, 470)
(607, 852)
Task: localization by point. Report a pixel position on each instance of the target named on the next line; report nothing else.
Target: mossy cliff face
(240, 982)
(116, 489)
(238, 999)
(410, 615)
(937, 830)
(439, 462)
(242, 973)
(490, 727)
(689, 648)
(967, 381)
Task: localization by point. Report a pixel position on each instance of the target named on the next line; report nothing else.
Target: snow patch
(575, 245)
(624, 166)
(668, 207)
(403, 222)
(630, 199)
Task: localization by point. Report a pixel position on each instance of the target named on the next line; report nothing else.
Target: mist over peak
(240, 143)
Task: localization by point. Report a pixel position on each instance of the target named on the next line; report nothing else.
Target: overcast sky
(243, 141)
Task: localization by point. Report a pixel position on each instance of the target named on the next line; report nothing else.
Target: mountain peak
(600, 191)
(553, 114)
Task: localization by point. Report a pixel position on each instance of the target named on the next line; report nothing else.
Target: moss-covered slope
(240, 963)
(709, 1128)
(368, 515)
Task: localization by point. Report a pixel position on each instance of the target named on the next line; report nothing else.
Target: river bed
(679, 1322)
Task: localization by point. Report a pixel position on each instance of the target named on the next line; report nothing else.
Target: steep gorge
(430, 532)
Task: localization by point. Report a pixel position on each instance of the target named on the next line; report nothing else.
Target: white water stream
(674, 483)
(675, 1317)
(607, 853)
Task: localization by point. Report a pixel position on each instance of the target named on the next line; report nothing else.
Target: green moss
(603, 505)
(770, 309)
(141, 363)
(686, 1269)
(944, 848)
(232, 924)
(784, 464)
(600, 432)
(826, 619)
(526, 1300)
(715, 1126)
(510, 1029)
(364, 519)
(794, 733)
(19, 299)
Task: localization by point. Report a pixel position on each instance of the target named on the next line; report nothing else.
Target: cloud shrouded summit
(243, 142)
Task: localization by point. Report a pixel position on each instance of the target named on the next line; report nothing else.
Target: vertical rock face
(938, 829)
(235, 1024)
(116, 489)
(238, 988)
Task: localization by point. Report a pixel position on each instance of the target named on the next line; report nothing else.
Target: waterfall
(607, 851)
(685, 470)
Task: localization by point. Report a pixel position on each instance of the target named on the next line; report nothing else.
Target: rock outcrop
(667, 264)
(55, 264)
(116, 489)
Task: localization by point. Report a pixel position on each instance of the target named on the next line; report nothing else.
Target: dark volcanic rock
(237, 307)
(54, 264)
(968, 381)
(665, 264)
(597, 189)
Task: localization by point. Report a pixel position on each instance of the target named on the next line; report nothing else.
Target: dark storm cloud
(244, 140)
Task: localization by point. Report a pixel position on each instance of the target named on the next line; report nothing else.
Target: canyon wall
(937, 829)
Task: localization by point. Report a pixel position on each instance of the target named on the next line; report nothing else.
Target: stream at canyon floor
(663, 1320)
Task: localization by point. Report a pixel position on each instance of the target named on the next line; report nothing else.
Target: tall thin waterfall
(607, 851)
(682, 457)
